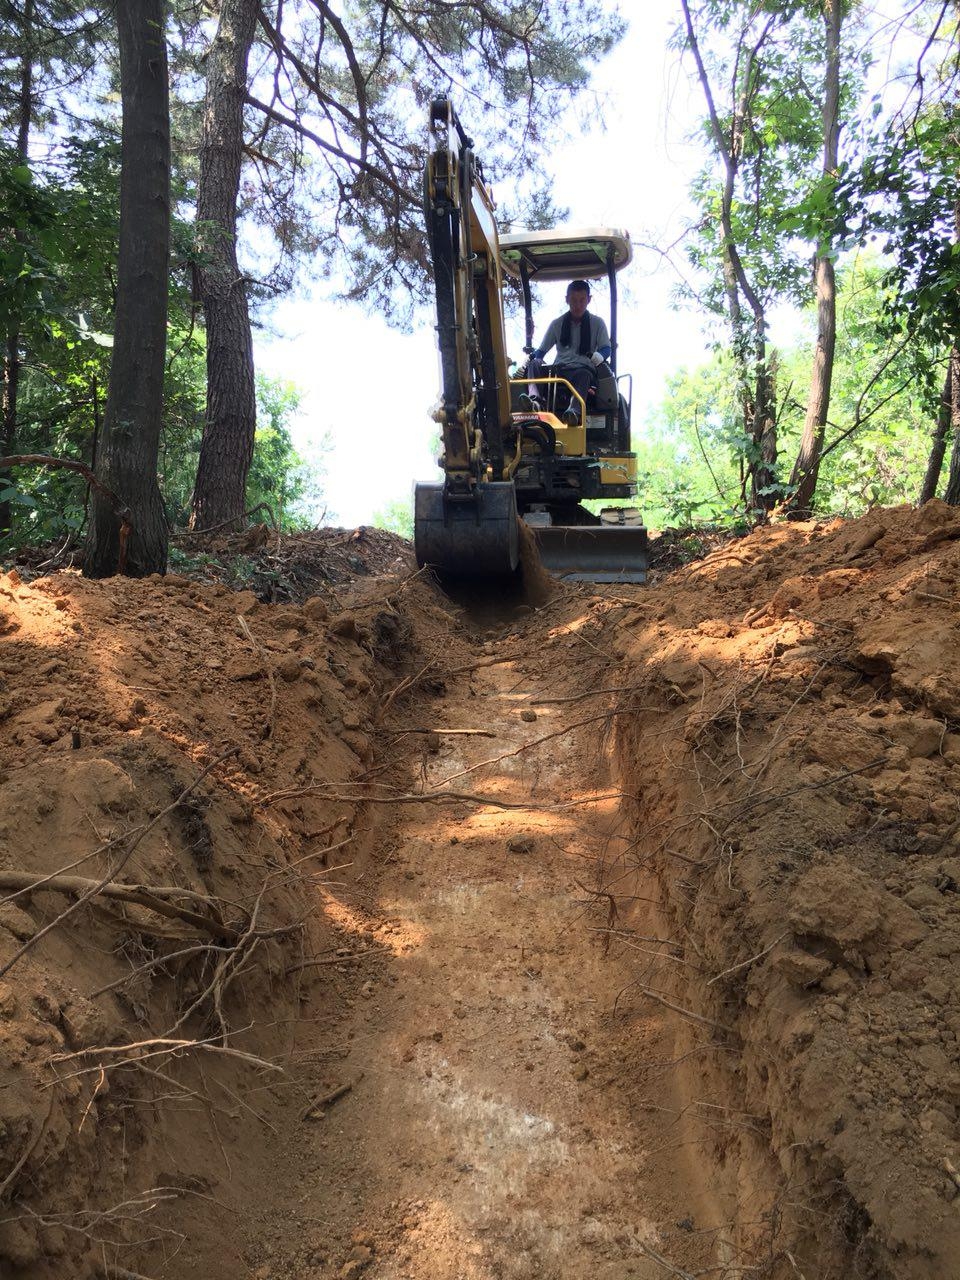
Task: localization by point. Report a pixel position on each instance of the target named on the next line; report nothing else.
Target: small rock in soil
(528, 716)
(520, 844)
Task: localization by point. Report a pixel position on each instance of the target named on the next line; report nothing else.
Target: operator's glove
(597, 359)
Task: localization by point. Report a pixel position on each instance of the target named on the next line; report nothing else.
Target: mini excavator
(499, 462)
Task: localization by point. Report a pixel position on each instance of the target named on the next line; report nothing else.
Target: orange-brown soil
(610, 936)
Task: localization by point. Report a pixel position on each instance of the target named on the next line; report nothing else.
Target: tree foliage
(778, 194)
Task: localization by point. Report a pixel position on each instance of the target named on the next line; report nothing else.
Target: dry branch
(166, 1045)
(320, 962)
(407, 683)
(547, 737)
(591, 693)
(447, 733)
(157, 899)
(66, 464)
(475, 666)
(431, 797)
(745, 964)
(686, 1013)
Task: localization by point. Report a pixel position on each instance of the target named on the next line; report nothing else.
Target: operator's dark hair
(578, 285)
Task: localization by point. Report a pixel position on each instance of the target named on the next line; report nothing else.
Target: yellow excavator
(500, 462)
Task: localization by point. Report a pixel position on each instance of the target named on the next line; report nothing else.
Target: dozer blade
(475, 537)
(594, 552)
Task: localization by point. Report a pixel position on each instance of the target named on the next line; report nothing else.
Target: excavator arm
(468, 523)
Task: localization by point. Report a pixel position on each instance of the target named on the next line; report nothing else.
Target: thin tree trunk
(11, 361)
(952, 494)
(750, 349)
(807, 467)
(130, 443)
(226, 450)
(939, 447)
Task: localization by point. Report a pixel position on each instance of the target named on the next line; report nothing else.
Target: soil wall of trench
(199, 751)
(789, 743)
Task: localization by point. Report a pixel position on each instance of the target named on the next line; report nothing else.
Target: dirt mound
(285, 569)
(180, 774)
(791, 749)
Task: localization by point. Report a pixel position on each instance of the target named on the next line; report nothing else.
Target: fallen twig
(686, 1013)
(407, 683)
(323, 961)
(667, 1265)
(745, 964)
(591, 693)
(328, 1099)
(166, 1046)
(431, 797)
(475, 666)
(447, 733)
(547, 737)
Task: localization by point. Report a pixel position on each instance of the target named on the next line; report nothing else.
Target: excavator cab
(593, 459)
(499, 462)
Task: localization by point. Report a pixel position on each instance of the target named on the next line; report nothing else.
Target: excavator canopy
(574, 254)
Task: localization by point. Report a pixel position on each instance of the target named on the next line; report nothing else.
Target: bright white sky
(373, 388)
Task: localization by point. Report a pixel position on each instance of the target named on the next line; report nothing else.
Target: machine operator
(582, 343)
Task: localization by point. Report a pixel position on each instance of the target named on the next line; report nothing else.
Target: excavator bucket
(594, 552)
(470, 537)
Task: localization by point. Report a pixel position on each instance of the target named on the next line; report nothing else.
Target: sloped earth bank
(611, 937)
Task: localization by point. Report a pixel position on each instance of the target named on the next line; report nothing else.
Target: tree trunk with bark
(807, 467)
(226, 450)
(11, 361)
(939, 447)
(749, 344)
(952, 494)
(130, 443)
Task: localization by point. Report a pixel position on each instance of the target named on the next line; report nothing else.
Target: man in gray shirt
(582, 343)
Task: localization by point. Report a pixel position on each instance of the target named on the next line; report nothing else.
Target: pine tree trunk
(226, 450)
(130, 443)
(11, 361)
(939, 446)
(807, 467)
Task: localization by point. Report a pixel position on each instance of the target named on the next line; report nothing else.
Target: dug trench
(367, 933)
